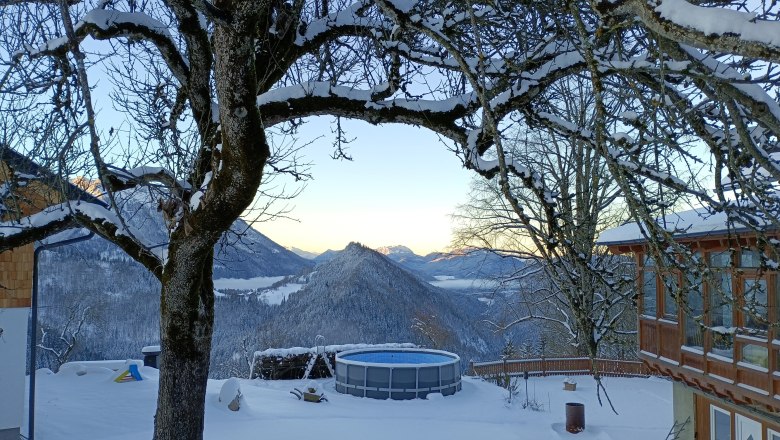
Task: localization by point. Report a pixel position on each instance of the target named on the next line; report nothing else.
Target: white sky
(401, 188)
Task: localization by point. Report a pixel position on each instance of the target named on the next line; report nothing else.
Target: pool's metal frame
(353, 377)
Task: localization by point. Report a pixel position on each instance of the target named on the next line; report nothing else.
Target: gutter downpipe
(34, 325)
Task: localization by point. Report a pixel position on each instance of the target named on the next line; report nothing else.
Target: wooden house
(713, 330)
(25, 189)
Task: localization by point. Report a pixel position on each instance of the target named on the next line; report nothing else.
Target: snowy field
(450, 282)
(92, 406)
(245, 284)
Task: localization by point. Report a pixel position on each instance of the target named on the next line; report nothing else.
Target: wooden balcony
(662, 349)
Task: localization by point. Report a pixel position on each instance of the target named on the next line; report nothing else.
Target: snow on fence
(572, 366)
(300, 362)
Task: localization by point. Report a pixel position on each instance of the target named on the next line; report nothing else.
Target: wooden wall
(16, 266)
(16, 270)
(703, 425)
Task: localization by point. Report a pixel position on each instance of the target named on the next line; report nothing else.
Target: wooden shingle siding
(16, 266)
(16, 277)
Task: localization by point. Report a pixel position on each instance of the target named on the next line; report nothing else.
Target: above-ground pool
(399, 373)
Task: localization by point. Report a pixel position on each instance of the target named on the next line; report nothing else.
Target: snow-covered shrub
(230, 394)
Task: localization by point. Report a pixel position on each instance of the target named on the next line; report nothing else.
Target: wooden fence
(574, 366)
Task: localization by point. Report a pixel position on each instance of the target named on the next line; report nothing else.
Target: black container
(575, 417)
(151, 357)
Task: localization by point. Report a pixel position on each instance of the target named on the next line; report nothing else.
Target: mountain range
(463, 264)
(356, 295)
(243, 252)
(360, 295)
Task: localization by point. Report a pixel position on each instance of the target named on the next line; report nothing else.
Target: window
(747, 428)
(720, 424)
(776, 306)
(749, 258)
(671, 285)
(721, 304)
(772, 435)
(720, 259)
(755, 294)
(694, 336)
(755, 355)
(649, 293)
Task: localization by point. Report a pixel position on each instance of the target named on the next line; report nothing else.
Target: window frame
(713, 286)
(713, 409)
(754, 275)
(688, 322)
(676, 276)
(737, 426)
(647, 269)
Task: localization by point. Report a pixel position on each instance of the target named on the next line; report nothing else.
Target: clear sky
(401, 188)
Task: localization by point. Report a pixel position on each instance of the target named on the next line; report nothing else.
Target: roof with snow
(26, 167)
(698, 222)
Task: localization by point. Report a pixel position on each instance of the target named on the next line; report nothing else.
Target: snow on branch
(711, 28)
(318, 98)
(66, 215)
(349, 18)
(323, 89)
(59, 213)
(751, 92)
(623, 144)
(308, 89)
(122, 179)
(531, 84)
(104, 24)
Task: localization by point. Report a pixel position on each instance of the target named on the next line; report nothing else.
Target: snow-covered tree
(431, 331)
(581, 295)
(58, 340)
(207, 86)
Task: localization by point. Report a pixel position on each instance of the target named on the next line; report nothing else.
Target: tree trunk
(186, 324)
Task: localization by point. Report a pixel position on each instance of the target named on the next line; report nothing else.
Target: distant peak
(302, 253)
(397, 249)
(355, 246)
(91, 186)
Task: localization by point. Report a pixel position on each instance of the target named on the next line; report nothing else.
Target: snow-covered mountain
(243, 252)
(360, 295)
(394, 250)
(464, 264)
(302, 253)
(325, 256)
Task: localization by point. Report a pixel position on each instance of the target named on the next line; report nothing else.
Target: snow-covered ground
(248, 284)
(275, 297)
(450, 282)
(92, 406)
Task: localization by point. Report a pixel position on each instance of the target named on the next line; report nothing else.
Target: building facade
(25, 189)
(713, 330)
